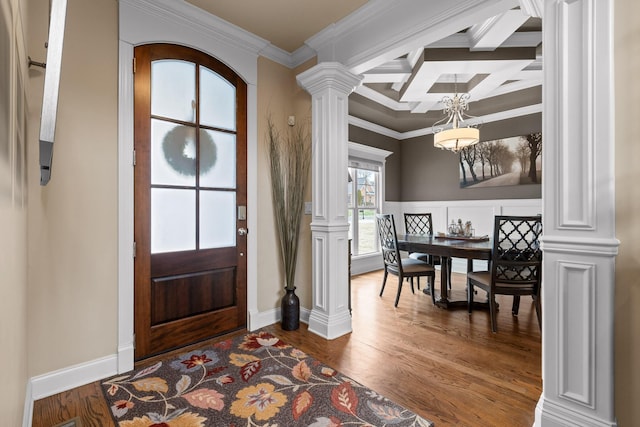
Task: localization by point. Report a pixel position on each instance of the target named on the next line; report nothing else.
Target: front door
(190, 198)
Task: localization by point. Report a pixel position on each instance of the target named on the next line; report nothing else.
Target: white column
(329, 84)
(579, 243)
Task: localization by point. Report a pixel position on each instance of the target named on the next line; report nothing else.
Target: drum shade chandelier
(460, 135)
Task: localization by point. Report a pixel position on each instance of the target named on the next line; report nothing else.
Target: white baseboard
(55, 382)
(74, 376)
(265, 318)
(553, 414)
(126, 356)
(365, 264)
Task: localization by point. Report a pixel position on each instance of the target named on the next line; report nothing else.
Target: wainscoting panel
(575, 197)
(481, 217)
(576, 283)
(480, 212)
(320, 257)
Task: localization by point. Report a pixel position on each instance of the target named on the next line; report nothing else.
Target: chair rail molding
(579, 243)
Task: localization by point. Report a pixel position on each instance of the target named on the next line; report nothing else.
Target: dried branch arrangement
(290, 163)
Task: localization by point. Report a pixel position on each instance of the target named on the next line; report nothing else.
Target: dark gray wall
(417, 171)
(392, 168)
(429, 173)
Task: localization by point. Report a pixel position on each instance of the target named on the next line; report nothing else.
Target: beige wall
(280, 96)
(72, 246)
(627, 301)
(13, 222)
(13, 312)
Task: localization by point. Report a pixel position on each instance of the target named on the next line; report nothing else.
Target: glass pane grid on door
(193, 158)
(173, 89)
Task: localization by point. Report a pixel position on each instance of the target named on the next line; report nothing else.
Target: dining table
(446, 247)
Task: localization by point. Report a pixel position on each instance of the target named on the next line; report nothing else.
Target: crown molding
(278, 55)
(205, 23)
(212, 26)
(375, 128)
(302, 55)
(488, 118)
(512, 87)
(368, 152)
(360, 16)
(290, 60)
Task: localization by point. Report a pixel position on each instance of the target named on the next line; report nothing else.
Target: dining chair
(420, 223)
(515, 267)
(393, 262)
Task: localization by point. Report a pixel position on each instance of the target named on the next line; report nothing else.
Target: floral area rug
(251, 380)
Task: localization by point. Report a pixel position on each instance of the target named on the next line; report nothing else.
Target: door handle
(243, 231)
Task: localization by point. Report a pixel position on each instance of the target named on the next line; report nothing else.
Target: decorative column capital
(329, 75)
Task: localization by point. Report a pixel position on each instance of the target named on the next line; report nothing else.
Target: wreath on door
(176, 145)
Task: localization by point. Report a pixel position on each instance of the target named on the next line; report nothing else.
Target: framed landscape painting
(509, 161)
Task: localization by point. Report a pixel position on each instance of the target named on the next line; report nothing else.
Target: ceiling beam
(381, 99)
(532, 8)
(499, 67)
(413, 57)
(493, 32)
(519, 39)
(397, 70)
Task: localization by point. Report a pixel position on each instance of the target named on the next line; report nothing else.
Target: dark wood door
(190, 198)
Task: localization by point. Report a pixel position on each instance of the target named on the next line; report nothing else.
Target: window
(365, 196)
(363, 204)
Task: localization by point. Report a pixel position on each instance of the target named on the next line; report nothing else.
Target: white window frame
(374, 155)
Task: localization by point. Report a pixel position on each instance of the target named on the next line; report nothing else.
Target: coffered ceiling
(497, 61)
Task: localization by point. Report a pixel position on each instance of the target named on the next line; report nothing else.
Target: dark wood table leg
(443, 300)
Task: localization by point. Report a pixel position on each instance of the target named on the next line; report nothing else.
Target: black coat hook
(37, 64)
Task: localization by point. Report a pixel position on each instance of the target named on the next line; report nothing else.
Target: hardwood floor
(443, 364)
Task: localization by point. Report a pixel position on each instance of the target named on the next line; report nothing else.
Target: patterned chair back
(388, 240)
(517, 257)
(418, 223)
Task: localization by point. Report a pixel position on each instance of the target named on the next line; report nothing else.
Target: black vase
(290, 310)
